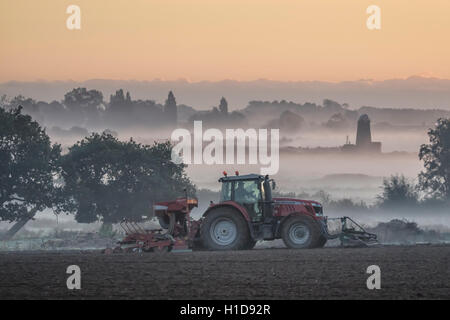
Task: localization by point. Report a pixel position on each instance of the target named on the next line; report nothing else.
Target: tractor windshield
(247, 193)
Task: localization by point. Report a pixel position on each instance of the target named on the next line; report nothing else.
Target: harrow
(176, 233)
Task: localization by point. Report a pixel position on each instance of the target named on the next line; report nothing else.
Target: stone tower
(364, 143)
(363, 135)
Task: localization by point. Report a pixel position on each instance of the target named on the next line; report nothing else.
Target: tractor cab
(252, 191)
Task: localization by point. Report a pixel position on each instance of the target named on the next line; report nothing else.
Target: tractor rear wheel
(250, 244)
(321, 242)
(300, 233)
(224, 229)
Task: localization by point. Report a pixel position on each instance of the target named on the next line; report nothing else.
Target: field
(408, 272)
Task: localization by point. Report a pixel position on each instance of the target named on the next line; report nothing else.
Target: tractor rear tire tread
(314, 230)
(250, 244)
(321, 242)
(243, 234)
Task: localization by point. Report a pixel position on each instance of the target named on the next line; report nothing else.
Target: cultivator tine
(126, 227)
(133, 225)
(351, 233)
(129, 228)
(355, 235)
(139, 228)
(123, 227)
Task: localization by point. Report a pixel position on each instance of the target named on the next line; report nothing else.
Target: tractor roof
(242, 178)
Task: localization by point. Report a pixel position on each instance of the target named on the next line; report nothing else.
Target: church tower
(170, 109)
(363, 135)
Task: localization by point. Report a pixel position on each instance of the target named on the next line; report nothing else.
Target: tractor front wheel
(224, 229)
(300, 233)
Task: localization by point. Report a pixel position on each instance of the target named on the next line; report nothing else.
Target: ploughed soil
(407, 272)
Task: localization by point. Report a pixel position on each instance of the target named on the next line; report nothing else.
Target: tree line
(88, 109)
(82, 109)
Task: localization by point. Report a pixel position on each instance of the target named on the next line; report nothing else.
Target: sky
(196, 40)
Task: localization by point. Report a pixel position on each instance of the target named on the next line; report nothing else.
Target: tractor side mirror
(274, 185)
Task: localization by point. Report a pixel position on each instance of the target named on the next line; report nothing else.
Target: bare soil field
(407, 272)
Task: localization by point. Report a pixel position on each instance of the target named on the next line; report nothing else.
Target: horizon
(416, 92)
(187, 80)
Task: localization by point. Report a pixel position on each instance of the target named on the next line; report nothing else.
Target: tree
(337, 121)
(123, 112)
(85, 105)
(170, 109)
(346, 205)
(83, 98)
(436, 157)
(323, 196)
(223, 106)
(120, 109)
(332, 106)
(4, 100)
(29, 106)
(28, 164)
(290, 121)
(398, 192)
(108, 180)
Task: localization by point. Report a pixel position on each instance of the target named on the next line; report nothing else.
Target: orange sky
(224, 39)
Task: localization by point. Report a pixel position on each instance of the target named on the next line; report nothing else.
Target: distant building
(364, 141)
(170, 109)
(223, 107)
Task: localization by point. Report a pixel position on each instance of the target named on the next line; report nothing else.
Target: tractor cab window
(248, 194)
(225, 195)
(241, 191)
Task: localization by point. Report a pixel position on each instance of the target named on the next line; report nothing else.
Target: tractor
(245, 214)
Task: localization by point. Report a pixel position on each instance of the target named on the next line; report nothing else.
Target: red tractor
(245, 214)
